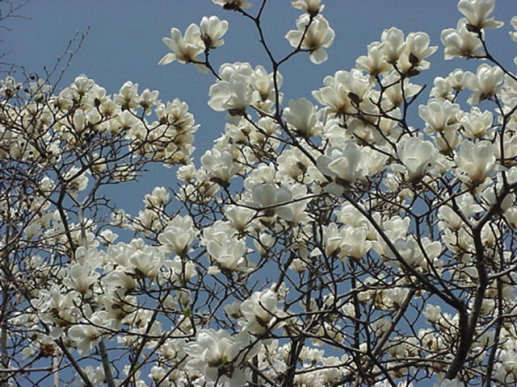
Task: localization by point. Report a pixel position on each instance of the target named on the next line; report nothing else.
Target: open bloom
(461, 42)
(232, 4)
(345, 164)
(230, 255)
(417, 49)
(477, 12)
(233, 91)
(178, 235)
(484, 83)
(476, 161)
(260, 311)
(417, 156)
(273, 199)
(375, 62)
(212, 31)
(393, 44)
(185, 49)
(513, 34)
(440, 115)
(302, 114)
(220, 164)
(312, 7)
(217, 354)
(318, 37)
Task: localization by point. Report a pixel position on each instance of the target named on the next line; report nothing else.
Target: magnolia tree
(320, 242)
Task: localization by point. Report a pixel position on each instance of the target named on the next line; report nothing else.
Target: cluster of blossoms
(314, 245)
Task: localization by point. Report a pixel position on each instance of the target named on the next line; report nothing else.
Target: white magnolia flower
(233, 91)
(87, 335)
(264, 84)
(312, 7)
(344, 91)
(212, 30)
(127, 96)
(146, 261)
(416, 50)
(230, 255)
(460, 42)
(80, 277)
(239, 216)
(273, 199)
(318, 37)
(178, 235)
(220, 164)
(345, 164)
(232, 4)
(375, 62)
(393, 44)
(484, 84)
(355, 244)
(477, 124)
(157, 198)
(432, 313)
(440, 115)
(452, 383)
(302, 114)
(218, 356)
(475, 161)
(185, 49)
(260, 311)
(477, 12)
(513, 34)
(417, 156)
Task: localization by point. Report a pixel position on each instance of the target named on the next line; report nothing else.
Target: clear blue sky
(124, 43)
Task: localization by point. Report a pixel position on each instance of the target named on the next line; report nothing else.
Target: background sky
(124, 43)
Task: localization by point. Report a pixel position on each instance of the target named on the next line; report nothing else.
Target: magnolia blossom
(475, 161)
(344, 91)
(81, 278)
(312, 7)
(239, 216)
(264, 84)
(375, 62)
(233, 92)
(220, 164)
(416, 49)
(87, 335)
(260, 311)
(513, 34)
(461, 42)
(477, 12)
(477, 124)
(346, 241)
(146, 261)
(418, 157)
(303, 116)
(393, 44)
(218, 356)
(318, 36)
(346, 164)
(232, 4)
(484, 83)
(440, 115)
(178, 235)
(185, 49)
(273, 199)
(212, 30)
(230, 255)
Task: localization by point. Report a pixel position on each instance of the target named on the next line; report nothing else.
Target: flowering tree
(313, 245)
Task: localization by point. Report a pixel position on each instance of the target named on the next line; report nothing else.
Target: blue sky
(124, 43)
